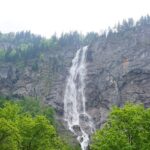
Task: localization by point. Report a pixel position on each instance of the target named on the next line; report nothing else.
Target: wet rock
(77, 130)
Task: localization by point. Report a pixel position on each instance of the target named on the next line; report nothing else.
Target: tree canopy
(24, 129)
(127, 128)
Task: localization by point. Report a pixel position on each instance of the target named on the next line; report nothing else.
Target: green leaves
(36, 133)
(27, 131)
(10, 111)
(127, 128)
(9, 135)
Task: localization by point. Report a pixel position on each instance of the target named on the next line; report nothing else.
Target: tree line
(24, 45)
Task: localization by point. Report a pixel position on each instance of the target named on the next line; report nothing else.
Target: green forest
(24, 45)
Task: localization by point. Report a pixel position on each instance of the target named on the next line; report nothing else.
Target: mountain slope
(119, 69)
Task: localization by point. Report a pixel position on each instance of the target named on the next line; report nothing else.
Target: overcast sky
(46, 17)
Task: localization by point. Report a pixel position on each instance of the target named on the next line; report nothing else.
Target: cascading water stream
(79, 122)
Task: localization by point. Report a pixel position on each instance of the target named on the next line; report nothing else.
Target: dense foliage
(127, 128)
(25, 45)
(26, 125)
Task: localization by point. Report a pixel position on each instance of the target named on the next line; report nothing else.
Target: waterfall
(79, 122)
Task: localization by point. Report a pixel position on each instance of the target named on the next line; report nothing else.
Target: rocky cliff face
(46, 82)
(118, 71)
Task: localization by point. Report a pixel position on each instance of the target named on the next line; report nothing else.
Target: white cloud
(48, 16)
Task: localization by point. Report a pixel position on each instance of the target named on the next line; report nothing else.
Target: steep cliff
(45, 82)
(118, 70)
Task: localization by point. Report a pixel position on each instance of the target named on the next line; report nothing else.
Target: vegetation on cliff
(127, 128)
(24, 46)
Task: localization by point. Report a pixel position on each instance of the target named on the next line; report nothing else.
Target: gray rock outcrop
(118, 71)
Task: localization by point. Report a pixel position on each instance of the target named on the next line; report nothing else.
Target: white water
(79, 122)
